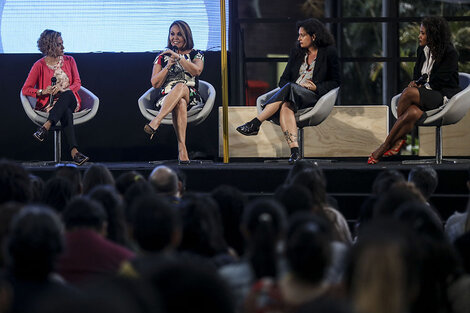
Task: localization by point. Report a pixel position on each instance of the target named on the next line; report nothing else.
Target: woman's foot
(149, 130)
(250, 128)
(79, 158)
(40, 134)
(183, 157)
(395, 149)
(376, 155)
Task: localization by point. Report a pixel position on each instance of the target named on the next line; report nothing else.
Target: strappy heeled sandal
(149, 130)
(392, 151)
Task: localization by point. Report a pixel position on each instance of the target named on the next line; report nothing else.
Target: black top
(325, 74)
(444, 76)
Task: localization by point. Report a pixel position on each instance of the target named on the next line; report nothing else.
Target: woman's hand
(173, 55)
(52, 90)
(310, 85)
(412, 84)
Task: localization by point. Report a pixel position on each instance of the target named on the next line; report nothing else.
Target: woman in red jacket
(54, 81)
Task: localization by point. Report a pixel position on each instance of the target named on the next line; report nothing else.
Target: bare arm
(159, 73)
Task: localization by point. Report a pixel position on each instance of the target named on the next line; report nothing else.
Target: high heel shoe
(149, 130)
(392, 151)
(184, 162)
(372, 160)
(248, 129)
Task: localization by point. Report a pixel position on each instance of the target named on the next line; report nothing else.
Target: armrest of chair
(394, 104)
(264, 98)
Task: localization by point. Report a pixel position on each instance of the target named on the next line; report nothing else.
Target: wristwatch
(40, 92)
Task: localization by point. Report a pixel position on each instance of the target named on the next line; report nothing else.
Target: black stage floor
(349, 180)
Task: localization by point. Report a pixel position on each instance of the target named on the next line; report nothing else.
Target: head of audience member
(57, 193)
(135, 191)
(438, 261)
(366, 213)
(85, 213)
(183, 28)
(231, 202)
(155, 225)
(190, 285)
(385, 180)
(300, 166)
(399, 193)
(382, 273)
(201, 226)
(71, 173)
(164, 180)
(15, 183)
(294, 198)
(181, 182)
(127, 179)
(316, 184)
(308, 250)
(7, 211)
(34, 243)
(425, 179)
(37, 187)
(97, 174)
(109, 198)
(263, 226)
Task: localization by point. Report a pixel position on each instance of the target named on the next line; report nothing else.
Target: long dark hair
(438, 35)
(312, 26)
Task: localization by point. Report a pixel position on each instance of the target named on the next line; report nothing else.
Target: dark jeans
(63, 112)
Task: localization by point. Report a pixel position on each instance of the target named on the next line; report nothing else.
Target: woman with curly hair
(312, 70)
(435, 81)
(54, 81)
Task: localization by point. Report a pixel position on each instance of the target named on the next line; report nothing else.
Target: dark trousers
(63, 112)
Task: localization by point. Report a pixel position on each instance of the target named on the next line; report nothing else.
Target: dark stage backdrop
(116, 133)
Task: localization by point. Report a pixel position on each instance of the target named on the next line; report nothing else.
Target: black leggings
(63, 112)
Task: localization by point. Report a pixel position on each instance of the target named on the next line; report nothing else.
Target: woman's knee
(287, 107)
(413, 113)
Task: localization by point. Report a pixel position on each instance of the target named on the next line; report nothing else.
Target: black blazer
(444, 76)
(325, 74)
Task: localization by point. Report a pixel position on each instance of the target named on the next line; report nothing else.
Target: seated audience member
(57, 193)
(70, 172)
(294, 198)
(15, 183)
(459, 223)
(112, 203)
(155, 228)
(231, 203)
(314, 181)
(7, 212)
(397, 195)
(425, 179)
(202, 229)
(88, 253)
(263, 226)
(385, 180)
(165, 182)
(125, 180)
(181, 182)
(96, 175)
(33, 246)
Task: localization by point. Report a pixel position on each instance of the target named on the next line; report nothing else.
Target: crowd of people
(98, 243)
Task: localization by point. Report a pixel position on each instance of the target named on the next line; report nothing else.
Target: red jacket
(40, 77)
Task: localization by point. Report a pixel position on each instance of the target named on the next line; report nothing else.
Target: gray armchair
(306, 117)
(447, 114)
(90, 104)
(196, 114)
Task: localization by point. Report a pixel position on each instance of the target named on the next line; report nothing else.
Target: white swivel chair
(447, 114)
(306, 117)
(90, 104)
(196, 115)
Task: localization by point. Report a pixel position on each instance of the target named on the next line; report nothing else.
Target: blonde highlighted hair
(47, 42)
(185, 32)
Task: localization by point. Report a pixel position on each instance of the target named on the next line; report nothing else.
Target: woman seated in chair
(175, 72)
(54, 81)
(312, 70)
(435, 81)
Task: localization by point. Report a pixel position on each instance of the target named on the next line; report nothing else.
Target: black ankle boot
(249, 129)
(40, 134)
(295, 155)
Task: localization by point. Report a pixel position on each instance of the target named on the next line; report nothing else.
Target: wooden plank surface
(349, 131)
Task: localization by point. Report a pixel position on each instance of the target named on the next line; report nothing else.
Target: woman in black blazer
(435, 81)
(312, 70)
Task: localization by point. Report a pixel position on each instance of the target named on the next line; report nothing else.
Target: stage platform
(349, 180)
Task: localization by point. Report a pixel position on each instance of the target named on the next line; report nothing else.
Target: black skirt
(300, 97)
(430, 99)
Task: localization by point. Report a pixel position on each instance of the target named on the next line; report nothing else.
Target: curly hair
(47, 42)
(185, 32)
(313, 26)
(438, 35)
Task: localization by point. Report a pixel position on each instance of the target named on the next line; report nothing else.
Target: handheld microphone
(422, 80)
(53, 82)
(174, 49)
